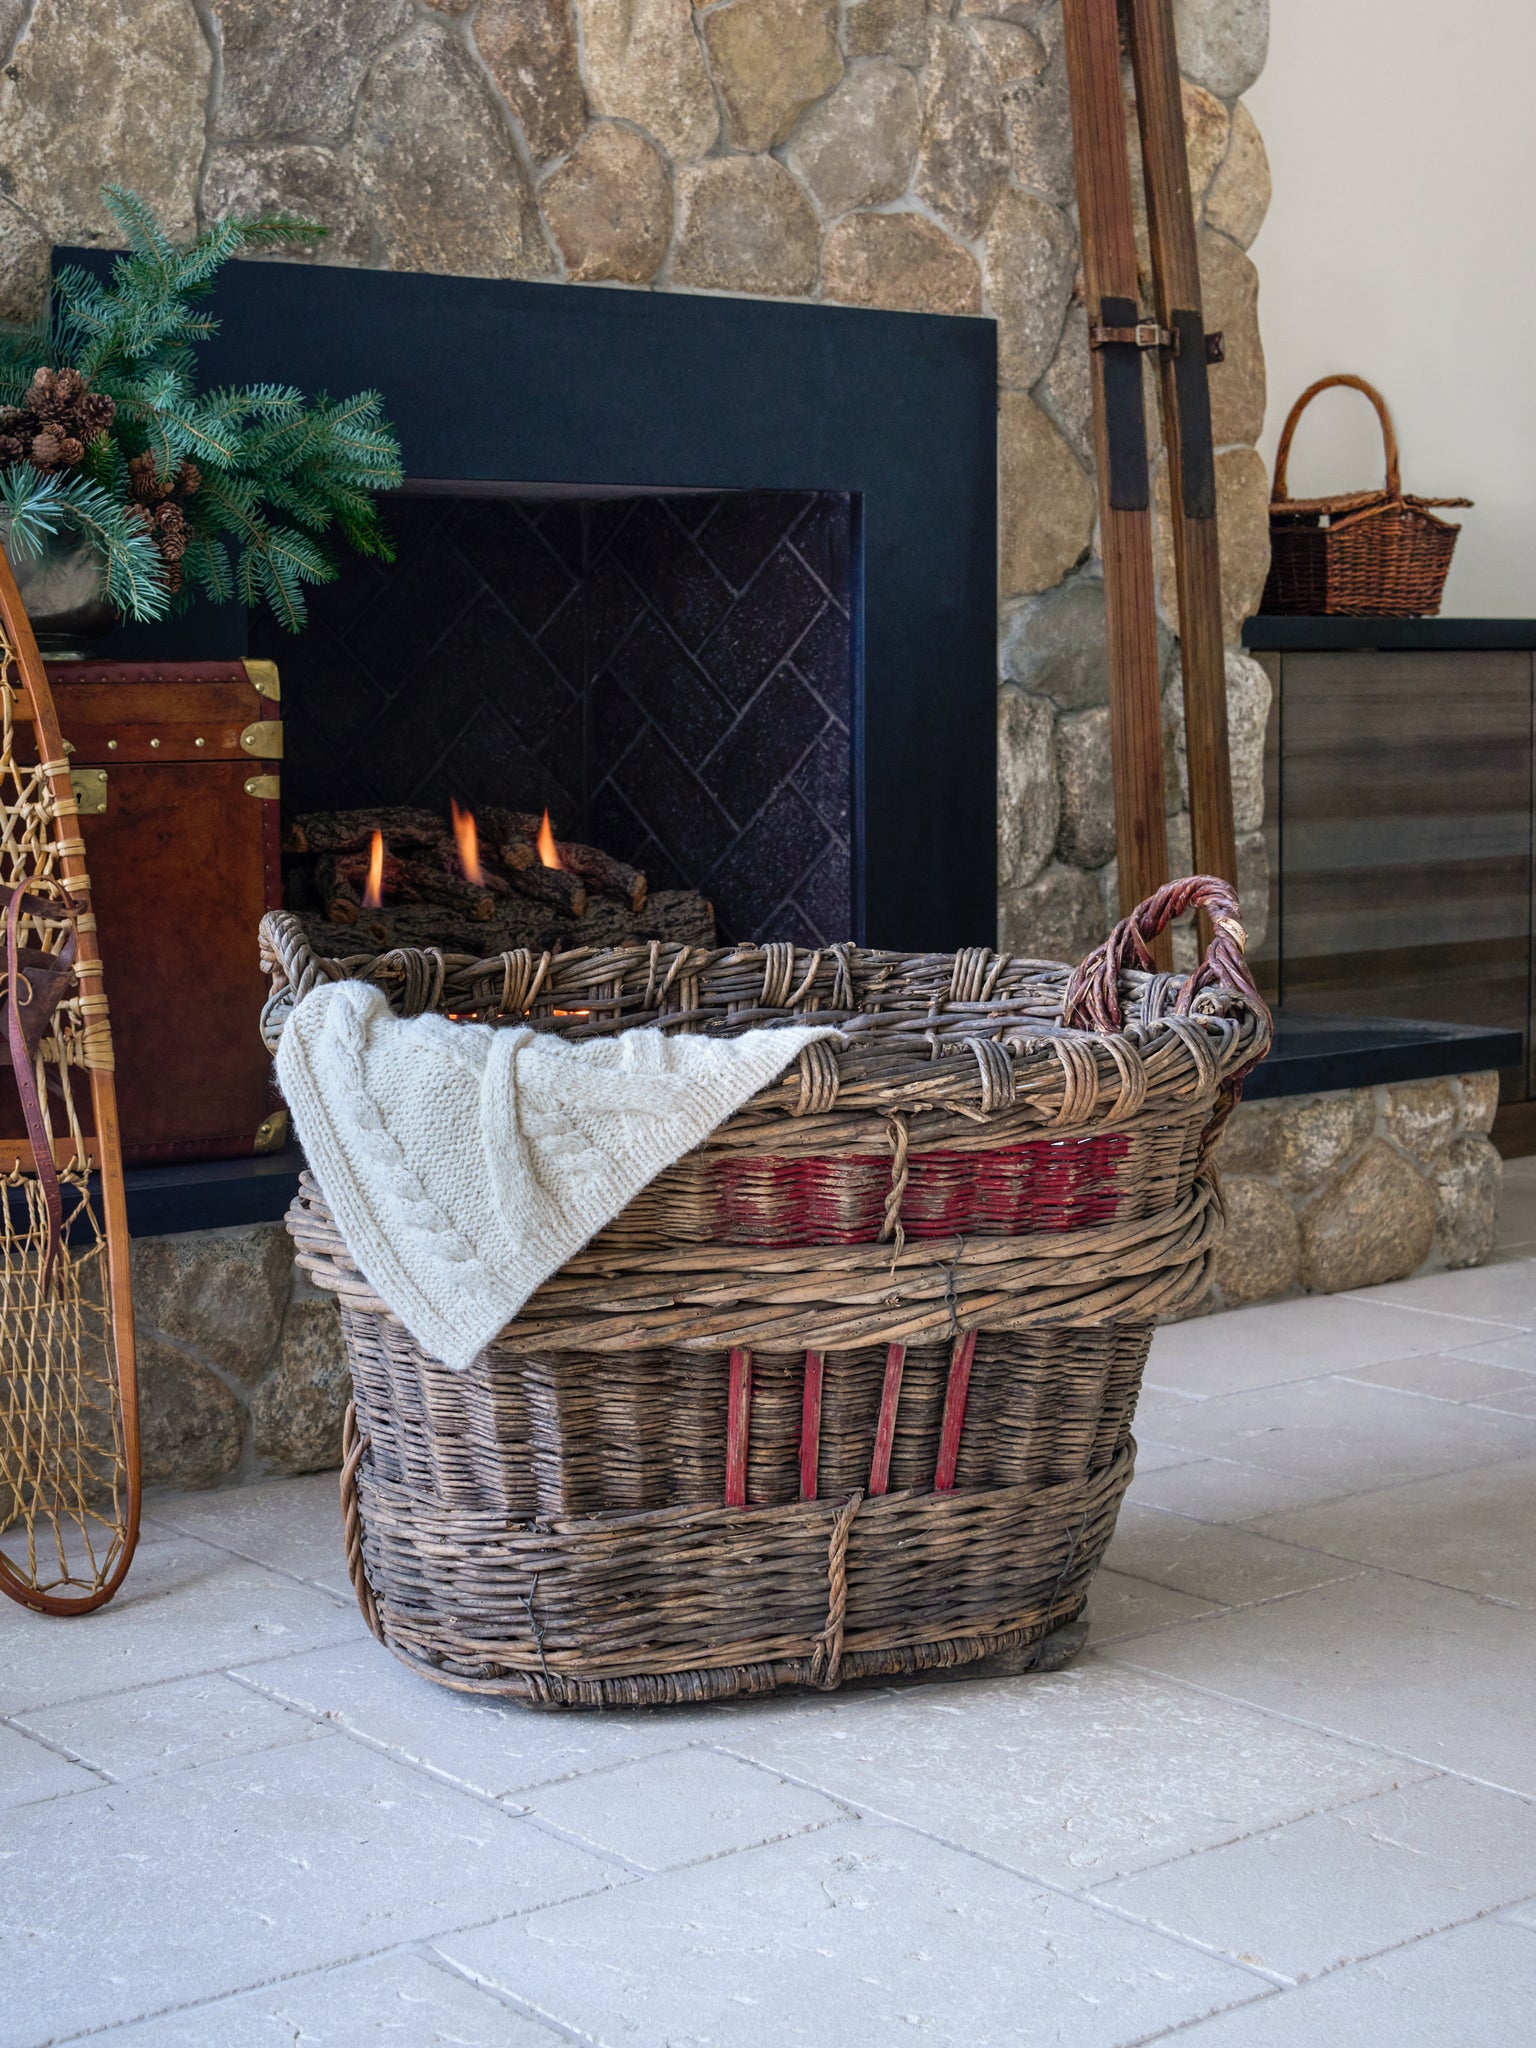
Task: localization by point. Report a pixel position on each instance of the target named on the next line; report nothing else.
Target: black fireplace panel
(671, 675)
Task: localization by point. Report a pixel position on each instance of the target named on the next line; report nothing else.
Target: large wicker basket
(1373, 554)
(846, 1392)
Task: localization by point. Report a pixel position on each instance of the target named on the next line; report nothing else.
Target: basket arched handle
(1092, 1000)
(1278, 492)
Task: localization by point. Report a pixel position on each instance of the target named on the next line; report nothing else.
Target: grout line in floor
(1435, 1766)
(1395, 1948)
(865, 1811)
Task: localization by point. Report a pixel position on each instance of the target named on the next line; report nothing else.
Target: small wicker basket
(1371, 554)
(847, 1391)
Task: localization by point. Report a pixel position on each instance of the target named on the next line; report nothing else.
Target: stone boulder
(529, 47)
(1031, 259)
(609, 206)
(858, 146)
(644, 64)
(1087, 835)
(446, 186)
(1058, 916)
(1467, 1177)
(1259, 1255)
(745, 225)
(899, 260)
(1375, 1223)
(297, 1410)
(963, 158)
(1222, 43)
(1028, 794)
(771, 59)
(1047, 502)
(1240, 192)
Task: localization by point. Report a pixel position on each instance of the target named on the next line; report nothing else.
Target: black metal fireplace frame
(493, 381)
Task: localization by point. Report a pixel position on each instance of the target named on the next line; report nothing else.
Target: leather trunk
(175, 766)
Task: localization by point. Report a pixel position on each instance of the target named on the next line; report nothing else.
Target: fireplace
(716, 579)
(670, 676)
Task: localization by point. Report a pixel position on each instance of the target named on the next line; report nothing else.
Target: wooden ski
(1120, 336)
(1184, 390)
(69, 1421)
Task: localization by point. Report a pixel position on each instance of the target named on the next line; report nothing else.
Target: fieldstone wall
(1357, 1187)
(898, 153)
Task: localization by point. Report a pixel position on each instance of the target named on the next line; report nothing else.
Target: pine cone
(40, 390)
(12, 449)
(11, 417)
(94, 414)
(172, 576)
(189, 480)
(71, 451)
(171, 534)
(146, 482)
(46, 448)
(68, 386)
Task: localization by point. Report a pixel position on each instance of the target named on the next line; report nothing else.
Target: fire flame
(469, 845)
(373, 893)
(546, 845)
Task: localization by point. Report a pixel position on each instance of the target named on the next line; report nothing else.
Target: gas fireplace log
(674, 916)
(451, 863)
(609, 877)
(404, 826)
(554, 886)
(431, 882)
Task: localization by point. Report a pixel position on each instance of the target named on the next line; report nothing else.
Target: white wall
(1402, 245)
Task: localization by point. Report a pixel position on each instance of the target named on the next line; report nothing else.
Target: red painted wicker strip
(738, 1423)
(953, 1425)
(810, 1426)
(1018, 1189)
(885, 1428)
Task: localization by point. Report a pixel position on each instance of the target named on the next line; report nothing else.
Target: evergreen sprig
(258, 472)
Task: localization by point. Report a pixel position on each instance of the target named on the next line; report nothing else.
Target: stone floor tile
(1435, 1673)
(1474, 1987)
(1228, 1490)
(247, 1870)
(294, 1525)
(184, 1607)
(1341, 1886)
(399, 2001)
(1295, 1340)
(1119, 1606)
(1503, 1291)
(1515, 1354)
(1475, 1530)
(862, 1935)
(492, 1746)
(29, 1770)
(1213, 1562)
(1349, 1436)
(1152, 1455)
(681, 1807)
(1449, 1376)
(166, 1727)
(1078, 1776)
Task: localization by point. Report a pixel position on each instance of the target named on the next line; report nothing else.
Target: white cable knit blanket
(465, 1163)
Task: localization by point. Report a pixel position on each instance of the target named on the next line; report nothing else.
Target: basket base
(1019, 1654)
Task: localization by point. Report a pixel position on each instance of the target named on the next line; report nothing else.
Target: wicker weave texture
(850, 1391)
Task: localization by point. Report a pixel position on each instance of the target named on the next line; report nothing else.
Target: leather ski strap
(33, 992)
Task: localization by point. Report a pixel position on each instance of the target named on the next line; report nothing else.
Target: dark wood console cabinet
(1399, 815)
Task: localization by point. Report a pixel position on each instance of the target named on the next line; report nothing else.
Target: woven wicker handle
(1093, 994)
(1279, 494)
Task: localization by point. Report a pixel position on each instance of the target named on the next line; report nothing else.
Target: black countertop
(1399, 636)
